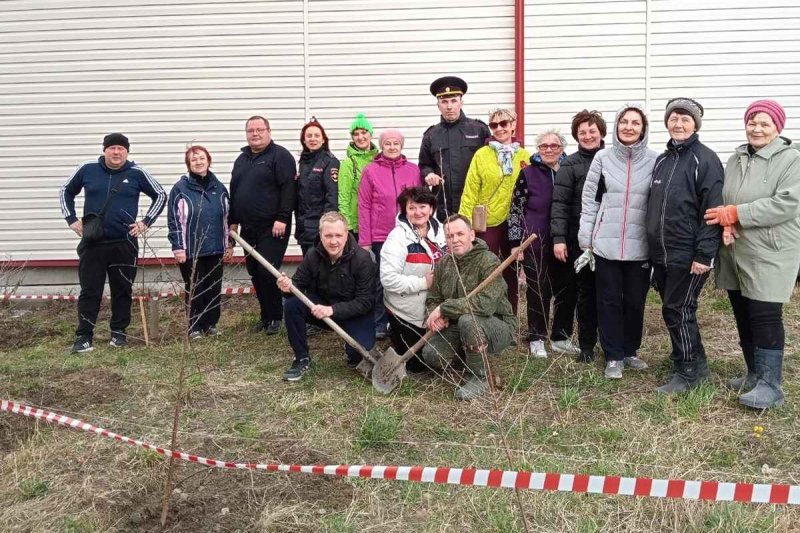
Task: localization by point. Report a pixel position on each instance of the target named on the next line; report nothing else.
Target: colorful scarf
(505, 155)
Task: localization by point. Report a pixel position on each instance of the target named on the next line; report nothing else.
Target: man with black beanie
(109, 240)
(263, 192)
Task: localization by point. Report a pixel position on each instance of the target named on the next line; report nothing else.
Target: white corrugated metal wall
(725, 53)
(73, 70)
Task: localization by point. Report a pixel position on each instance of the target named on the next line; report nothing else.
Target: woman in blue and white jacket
(197, 217)
(408, 256)
(613, 234)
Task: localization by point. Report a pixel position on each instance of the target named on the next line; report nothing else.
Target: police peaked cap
(447, 86)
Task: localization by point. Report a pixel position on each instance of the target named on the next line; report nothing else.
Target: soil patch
(14, 430)
(20, 327)
(76, 390)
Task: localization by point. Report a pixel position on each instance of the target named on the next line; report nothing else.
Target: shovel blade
(365, 368)
(389, 372)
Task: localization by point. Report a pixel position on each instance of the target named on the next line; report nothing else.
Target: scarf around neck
(505, 155)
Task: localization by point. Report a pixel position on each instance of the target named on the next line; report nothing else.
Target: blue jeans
(296, 315)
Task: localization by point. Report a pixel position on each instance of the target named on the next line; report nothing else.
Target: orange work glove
(725, 215)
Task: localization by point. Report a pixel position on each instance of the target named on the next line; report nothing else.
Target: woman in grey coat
(761, 232)
(613, 235)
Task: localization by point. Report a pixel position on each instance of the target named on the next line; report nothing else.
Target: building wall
(172, 74)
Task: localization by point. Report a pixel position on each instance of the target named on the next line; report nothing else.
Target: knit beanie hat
(392, 133)
(313, 122)
(692, 107)
(116, 139)
(771, 108)
(361, 123)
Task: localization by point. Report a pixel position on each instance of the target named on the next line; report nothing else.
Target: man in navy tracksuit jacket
(686, 181)
(116, 252)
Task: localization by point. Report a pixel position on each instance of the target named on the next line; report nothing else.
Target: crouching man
(339, 277)
(467, 330)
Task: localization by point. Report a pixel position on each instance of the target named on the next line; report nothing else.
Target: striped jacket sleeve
(155, 191)
(69, 190)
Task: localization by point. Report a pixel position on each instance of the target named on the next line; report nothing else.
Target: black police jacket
(348, 285)
(447, 149)
(687, 180)
(565, 212)
(317, 193)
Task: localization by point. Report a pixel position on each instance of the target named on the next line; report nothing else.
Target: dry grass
(556, 415)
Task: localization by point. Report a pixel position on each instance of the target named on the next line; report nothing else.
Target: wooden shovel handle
(302, 297)
(482, 285)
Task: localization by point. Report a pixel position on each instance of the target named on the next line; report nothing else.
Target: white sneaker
(613, 370)
(565, 346)
(537, 349)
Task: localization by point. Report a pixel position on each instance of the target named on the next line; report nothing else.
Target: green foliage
(690, 404)
(569, 397)
(337, 523)
(735, 518)
(33, 488)
(77, 525)
(380, 425)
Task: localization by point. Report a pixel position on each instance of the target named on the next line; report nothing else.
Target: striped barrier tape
(228, 291)
(578, 483)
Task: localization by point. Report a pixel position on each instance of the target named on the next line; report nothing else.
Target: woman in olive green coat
(761, 253)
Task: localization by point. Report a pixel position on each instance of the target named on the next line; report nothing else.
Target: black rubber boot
(685, 377)
(767, 391)
(476, 384)
(748, 381)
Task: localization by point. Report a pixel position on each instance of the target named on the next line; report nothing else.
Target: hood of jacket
(776, 146)
(366, 155)
(637, 150)
(383, 161)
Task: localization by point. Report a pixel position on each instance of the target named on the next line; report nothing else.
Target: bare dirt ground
(550, 415)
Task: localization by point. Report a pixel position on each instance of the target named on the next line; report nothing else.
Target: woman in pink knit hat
(382, 181)
(761, 252)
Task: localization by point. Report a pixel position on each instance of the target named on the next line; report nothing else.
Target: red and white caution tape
(473, 477)
(227, 291)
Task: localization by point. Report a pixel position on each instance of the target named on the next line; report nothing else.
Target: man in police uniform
(447, 147)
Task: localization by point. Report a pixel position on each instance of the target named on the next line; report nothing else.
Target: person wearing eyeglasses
(487, 190)
(614, 236)
(546, 277)
(263, 193)
(589, 129)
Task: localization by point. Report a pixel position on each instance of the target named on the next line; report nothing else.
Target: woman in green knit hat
(360, 152)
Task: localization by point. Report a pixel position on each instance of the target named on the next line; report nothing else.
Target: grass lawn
(549, 415)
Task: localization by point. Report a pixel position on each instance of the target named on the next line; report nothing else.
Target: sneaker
(585, 356)
(613, 370)
(257, 327)
(118, 339)
(312, 330)
(565, 346)
(537, 349)
(298, 368)
(635, 363)
(195, 334)
(273, 327)
(381, 333)
(213, 332)
(82, 344)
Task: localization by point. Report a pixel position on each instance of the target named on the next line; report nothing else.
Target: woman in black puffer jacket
(589, 129)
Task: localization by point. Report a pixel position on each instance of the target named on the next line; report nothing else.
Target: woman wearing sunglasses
(487, 192)
(547, 278)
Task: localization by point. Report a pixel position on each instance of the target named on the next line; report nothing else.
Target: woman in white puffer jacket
(408, 257)
(614, 206)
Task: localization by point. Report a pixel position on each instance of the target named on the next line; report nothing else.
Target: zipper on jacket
(396, 194)
(664, 205)
(625, 211)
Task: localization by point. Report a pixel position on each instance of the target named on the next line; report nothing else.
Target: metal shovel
(390, 369)
(368, 359)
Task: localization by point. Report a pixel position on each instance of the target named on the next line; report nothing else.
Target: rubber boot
(767, 392)
(703, 373)
(685, 377)
(476, 384)
(748, 381)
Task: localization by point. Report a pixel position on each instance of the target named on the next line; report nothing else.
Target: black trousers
(549, 279)
(202, 277)
(586, 304)
(270, 298)
(760, 324)
(679, 290)
(117, 260)
(404, 335)
(621, 293)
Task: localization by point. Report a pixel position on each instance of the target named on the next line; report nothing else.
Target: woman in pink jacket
(382, 181)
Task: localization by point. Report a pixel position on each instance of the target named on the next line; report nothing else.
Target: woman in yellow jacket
(490, 181)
